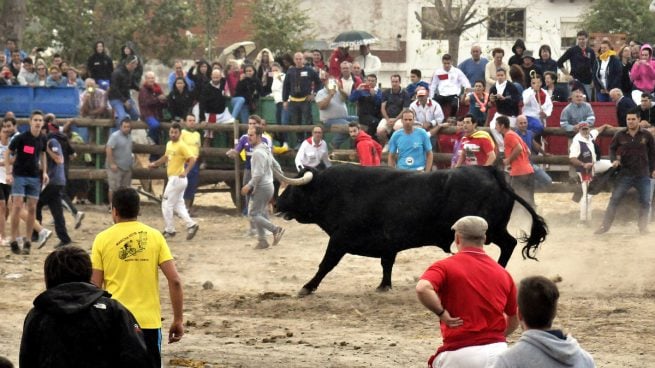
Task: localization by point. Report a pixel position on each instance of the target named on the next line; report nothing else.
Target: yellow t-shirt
(177, 153)
(129, 254)
(193, 140)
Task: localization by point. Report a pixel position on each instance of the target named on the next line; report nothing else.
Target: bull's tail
(538, 230)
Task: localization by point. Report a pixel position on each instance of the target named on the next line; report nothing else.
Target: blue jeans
(541, 177)
(602, 97)
(121, 113)
(154, 132)
(623, 184)
(26, 186)
(300, 113)
(193, 178)
(240, 109)
(339, 138)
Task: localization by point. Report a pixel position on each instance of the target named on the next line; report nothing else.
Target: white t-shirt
(3, 170)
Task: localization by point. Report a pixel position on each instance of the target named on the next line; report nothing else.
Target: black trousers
(152, 337)
(51, 197)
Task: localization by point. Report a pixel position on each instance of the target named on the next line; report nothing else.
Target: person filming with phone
(332, 107)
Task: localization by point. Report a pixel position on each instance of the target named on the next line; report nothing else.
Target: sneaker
(262, 244)
(277, 235)
(78, 219)
(44, 235)
(601, 230)
(27, 246)
(168, 235)
(191, 231)
(14, 247)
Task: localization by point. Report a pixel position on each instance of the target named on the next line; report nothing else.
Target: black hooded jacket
(516, 58)
(78, 325)
(138, 72)
(99, 65)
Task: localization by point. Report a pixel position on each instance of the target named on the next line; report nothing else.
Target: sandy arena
(252, 317)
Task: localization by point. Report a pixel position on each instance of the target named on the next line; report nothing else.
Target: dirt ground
(252, 317)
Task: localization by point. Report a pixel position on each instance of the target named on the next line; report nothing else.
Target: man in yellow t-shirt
(191, 137)
(180, 161)
(126, 258)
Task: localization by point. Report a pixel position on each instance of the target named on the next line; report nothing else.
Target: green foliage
(621, 16)
(208, 15)
(280, 25)
(73, 26)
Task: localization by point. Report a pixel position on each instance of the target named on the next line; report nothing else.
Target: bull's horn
(306, 178)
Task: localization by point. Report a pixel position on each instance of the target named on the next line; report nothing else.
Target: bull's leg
(507, 243)
(387, 266)
(330, 260)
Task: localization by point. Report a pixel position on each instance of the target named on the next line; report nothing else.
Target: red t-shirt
(521, 165)
(472, 286)
(477, 147)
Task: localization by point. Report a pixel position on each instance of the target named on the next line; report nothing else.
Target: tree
(453, 17)
(211, 10)
(73, 26)
(633, 18)
(12, 19)
(280, 25)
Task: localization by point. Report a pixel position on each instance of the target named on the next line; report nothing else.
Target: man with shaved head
(298, 93)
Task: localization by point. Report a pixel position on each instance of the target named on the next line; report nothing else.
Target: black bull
(378, 212)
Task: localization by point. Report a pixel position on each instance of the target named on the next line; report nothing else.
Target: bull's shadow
(379, 211)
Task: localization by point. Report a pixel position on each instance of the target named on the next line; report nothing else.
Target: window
(430, 14)
(506, 23)
(568, 30)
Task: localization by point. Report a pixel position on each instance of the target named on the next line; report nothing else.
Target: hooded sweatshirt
(643, 74)
(99, 65)
(537, 348)
(138, 72)
(368, 150)
(78, 325)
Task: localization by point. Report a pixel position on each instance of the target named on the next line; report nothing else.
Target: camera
(90, 90)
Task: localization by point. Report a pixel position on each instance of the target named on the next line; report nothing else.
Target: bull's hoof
(304, 292)
(383, 288)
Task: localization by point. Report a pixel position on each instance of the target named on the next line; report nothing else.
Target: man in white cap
(474, 299)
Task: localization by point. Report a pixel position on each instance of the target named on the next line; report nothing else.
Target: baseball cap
(422, 92)
(471, 226)
(583, 125)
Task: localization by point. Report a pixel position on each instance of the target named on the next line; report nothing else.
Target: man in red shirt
(368, 150)
(474, 299)
(517, 156)
(477, 146)
(339, 55)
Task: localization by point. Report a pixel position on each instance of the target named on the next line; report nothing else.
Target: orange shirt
(521, 164)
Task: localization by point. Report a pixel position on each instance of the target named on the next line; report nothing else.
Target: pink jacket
(643, 74)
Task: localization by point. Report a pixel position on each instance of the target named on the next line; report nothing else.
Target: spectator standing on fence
(178, 72)
(369, 100)
(180, 161)
(128, 52)
(11, 46)
(492, 67)
(576, 112)
(370, 63)
(607, 72)
(75, 324)
(26, 178)
(474, 299)
(27, 75)
(581, 58)
(394, 101)
(642, 73)
(119, 90)
(473, 67)
(260, 187)
(448, 86)
(55, 78)
(191, 137)
(338, 56)
(646, 111)
(506, 97)
(281, 114)
(180, 100)
(119, 158)
(297, 93)
(15, 63)
(100, 65)
(633, 150)
(415, 83)
(332, 108)
(623, 105)
(126, 259)
(247, 94)
(94, 101)
(544, 62)
(152, 101)
(478, 102)
(537, 106)
(213, 107)
(347, 80)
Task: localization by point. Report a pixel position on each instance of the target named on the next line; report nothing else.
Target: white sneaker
(44, 235)
(78, 219)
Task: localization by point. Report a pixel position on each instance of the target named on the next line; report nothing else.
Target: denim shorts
(26, 186)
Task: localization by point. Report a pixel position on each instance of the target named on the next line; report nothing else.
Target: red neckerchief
(310, 140)
(483, 106)
(540, 96)
(155, 88)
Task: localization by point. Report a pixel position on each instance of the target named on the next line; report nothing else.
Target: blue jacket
(613, 73)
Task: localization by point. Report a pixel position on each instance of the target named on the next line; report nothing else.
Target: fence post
(237, 176)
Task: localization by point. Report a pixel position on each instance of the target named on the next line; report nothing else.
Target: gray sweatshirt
(574, 114)
(540, 349)
(262, 165)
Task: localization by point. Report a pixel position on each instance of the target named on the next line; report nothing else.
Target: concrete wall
(388, 18)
